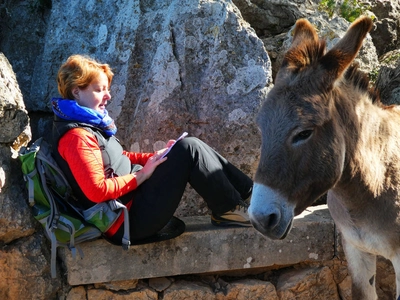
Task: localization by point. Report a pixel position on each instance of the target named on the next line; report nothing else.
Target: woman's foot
(237, 216)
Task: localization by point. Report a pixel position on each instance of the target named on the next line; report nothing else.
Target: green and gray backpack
(50, 197)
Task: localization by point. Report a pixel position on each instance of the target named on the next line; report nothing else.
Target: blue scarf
(70, 110)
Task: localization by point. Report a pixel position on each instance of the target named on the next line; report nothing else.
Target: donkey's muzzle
(269, 212)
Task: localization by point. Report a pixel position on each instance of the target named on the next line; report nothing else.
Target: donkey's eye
(302, 136)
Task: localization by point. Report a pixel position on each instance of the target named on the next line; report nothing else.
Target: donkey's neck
(372, 149)
(368, 193)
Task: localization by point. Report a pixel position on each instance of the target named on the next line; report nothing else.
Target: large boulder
(15, 218)
(386, 31)
(24, 255)
(270, 18)
(179, 66)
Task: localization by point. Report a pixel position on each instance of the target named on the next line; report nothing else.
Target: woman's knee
(189, 147)
(189, 143)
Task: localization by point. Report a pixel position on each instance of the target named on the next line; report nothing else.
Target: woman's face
(95, 95)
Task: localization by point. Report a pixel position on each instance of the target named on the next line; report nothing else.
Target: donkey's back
(323, 130)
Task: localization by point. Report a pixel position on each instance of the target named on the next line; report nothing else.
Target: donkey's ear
(343, 53)
(299, 54)
(303, 32)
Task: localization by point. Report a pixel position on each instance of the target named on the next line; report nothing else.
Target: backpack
(51, 201)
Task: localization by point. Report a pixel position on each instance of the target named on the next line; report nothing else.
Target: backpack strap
(114, 204)
(50, 232)
(126, 243)
(31, 186)
(28, 177)
(53, 220)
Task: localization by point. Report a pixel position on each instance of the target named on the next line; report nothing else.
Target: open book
(177, 140)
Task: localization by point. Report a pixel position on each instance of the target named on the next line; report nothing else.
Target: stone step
(205, 248)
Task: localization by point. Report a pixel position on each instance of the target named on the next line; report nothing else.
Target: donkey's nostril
(266, 221)
(267, 209)
(272, 220)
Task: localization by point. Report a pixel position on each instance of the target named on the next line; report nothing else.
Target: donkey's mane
(360, 80)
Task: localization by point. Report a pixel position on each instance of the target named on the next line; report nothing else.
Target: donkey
(324, 130)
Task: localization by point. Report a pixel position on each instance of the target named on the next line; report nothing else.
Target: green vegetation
(391, 59)
(387, 60)
(348, 9)
(373, 75)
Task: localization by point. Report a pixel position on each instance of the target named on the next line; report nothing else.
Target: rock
(345, 288)
(341, 277)
(270, 18)
(385, 279)
(385, 36)
(248, 289)
(181, 290)
(274, 46)
(15, 217)
(308, 283)
(159, 284)
(142, 293)
(204, 72)
(77, 293)
(179, 66)
(13, 115)
(25, 270)
(24, 263)
(385, 33)
(388, 81)
(118, 285)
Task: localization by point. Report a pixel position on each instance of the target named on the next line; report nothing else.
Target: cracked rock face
(15, 131)
(179, 66)
(23, 264)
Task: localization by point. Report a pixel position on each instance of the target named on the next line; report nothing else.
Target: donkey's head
(303, 140)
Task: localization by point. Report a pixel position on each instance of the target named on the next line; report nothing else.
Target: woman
(151, 186)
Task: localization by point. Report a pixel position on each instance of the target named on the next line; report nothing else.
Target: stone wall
(197, 66)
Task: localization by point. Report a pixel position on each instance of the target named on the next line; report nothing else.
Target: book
(177, 140)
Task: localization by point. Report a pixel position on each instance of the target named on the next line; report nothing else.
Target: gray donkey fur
(323, 130)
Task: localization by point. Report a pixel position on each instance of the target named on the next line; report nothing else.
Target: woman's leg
(215, 179)
(155, 201)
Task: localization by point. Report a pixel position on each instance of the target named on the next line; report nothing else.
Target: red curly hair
(79, 71)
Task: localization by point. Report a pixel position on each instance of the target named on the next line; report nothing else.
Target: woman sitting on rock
(150, 185)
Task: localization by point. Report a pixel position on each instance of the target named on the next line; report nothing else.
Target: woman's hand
(170, 143)
(164, 151)
(151, 164)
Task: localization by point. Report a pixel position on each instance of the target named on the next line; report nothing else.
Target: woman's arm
(137, 157)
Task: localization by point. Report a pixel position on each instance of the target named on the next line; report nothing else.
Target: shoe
(237, 216)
